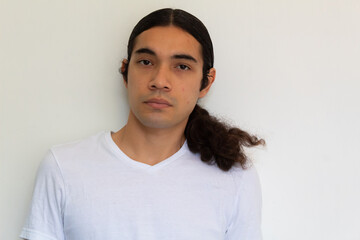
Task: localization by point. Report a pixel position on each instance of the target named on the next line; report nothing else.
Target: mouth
(158, 103)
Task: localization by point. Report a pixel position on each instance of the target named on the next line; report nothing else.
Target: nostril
(159, 84)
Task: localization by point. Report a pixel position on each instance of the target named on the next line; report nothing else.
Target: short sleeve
(245, 223)
(45, 219)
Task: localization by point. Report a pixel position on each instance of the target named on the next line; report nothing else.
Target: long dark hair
(216, 142)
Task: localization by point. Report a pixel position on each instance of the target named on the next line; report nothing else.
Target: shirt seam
(65, 186)
(236, 201)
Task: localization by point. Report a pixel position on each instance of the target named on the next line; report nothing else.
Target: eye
(145, 62)
(183, 67)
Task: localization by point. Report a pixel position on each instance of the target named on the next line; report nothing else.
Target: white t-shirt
(91, 190)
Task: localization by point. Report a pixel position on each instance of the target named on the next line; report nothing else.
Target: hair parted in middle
(216, 142)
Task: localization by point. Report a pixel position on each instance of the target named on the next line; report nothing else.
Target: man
(172, 172)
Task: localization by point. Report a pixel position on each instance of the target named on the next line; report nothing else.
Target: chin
(160, 121)
(157, 124)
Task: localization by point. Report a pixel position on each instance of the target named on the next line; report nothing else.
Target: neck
(149, 145)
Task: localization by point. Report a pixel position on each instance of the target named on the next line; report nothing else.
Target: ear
(123, 69)
(211, 78)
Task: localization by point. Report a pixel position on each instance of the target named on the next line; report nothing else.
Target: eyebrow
(184, 56)
(176, 56)
(145, 50)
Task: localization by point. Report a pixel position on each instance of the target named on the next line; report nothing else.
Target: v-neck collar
(121, 155)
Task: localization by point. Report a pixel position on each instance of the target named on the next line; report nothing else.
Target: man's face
(164, 76)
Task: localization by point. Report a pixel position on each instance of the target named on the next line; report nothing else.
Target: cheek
(192, 97)
(187, 100)
(136, 83)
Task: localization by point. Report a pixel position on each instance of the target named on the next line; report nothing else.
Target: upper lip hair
(158, 100)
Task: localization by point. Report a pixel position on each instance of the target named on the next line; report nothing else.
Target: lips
(158, 103)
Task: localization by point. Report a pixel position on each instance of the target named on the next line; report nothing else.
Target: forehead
(167, 41)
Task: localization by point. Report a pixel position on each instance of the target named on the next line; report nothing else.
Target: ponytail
(217, 142)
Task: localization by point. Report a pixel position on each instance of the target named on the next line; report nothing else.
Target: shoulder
(85, 146)
(80, 143)
(247, 192)
(74, 155)
(235, 178)
(50, 162)
(242, 176)
(246, 182)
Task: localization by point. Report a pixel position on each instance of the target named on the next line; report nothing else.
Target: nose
(160, 79)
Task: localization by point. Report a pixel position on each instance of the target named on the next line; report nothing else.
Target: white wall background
(287, 70)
